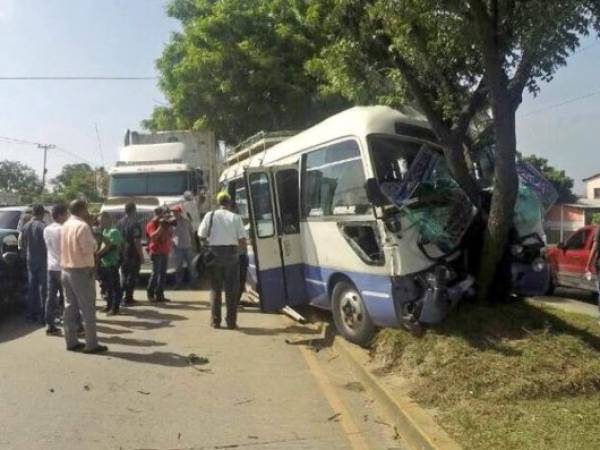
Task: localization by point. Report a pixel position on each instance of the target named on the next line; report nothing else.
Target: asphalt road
(263, 386)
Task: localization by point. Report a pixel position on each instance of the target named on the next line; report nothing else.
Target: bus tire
(350, 314)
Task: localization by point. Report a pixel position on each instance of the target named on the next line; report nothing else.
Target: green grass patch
(513, 376)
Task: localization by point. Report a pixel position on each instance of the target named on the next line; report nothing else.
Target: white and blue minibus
(358, 215)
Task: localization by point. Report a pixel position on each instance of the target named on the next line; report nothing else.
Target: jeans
(36, 293)
(112, 284)
(158, 279)
(55, 292)
(225, 272)
(130, 271)
(80, 295)
(183, 255)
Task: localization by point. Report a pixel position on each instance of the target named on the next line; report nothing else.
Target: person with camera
(159, 235)
(224, 231)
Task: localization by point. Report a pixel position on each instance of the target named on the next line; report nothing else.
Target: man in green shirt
(108, 258)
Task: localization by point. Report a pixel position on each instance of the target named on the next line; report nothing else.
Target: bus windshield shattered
(416, 182)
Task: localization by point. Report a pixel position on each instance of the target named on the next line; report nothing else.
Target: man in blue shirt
(31, 241)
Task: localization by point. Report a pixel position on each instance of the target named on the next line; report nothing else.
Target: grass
(514, 376)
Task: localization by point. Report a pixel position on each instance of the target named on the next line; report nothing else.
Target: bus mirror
(374, 194)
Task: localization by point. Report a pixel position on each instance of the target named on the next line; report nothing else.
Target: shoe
(216, 326)
(76, 347)
(130, 302)
(162, 299)
(232, 326)
(106, 309)
(52, 331)
(112, 312)
(150, 296)
(97, 349)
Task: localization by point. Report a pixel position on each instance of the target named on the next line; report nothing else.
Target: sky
(124, 38)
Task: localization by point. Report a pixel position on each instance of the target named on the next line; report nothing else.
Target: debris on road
(51, 390)
(143, 392)
(194, 360)
(354, 386)
(243, 402)
(335, 417)
(86, 387)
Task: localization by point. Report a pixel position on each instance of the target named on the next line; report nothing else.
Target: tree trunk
(455, 158)
(500, 218)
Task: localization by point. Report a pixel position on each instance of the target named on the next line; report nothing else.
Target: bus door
(287, 196)
(265, 240)
(275, 225)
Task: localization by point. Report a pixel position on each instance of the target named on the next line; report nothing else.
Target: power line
(558, 105)
(76, 78)
(40, 145)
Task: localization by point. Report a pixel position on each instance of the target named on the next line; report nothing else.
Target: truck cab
(568, 261)
(164, 169)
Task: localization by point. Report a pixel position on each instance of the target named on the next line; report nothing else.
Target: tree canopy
(238, 67)
(19, 178)
(78, 180)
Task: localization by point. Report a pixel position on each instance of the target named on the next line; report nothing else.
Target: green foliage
(596, 219)
(562, 183)
(515, 376)
(19, 178)
(238, 67)
(78, 180)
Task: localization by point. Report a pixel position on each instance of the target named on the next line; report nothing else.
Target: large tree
(456, 61)
(19, 178)
(237, 67)
(78, 180)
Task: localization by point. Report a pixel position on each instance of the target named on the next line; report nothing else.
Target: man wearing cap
(224, 231)
(182, 245)
(158, 231)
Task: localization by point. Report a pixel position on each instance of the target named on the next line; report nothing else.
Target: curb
(413, 423)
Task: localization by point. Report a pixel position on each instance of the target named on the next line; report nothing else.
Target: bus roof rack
(256, 143)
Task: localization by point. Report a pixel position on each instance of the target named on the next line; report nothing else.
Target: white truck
(166, 168)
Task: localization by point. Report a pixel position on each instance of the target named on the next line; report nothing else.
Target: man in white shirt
(52, 238)
(225, 233)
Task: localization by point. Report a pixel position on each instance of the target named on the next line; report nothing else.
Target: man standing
(52, 240)
(108, 262)
(182, 246)
(132, 253)
(594, 261)
(158, 231)
(77, 250)
(224, 231)
(31, 241)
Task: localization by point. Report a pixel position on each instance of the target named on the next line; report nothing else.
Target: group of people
(64, 259)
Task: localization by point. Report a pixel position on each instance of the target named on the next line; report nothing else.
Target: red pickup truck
(568, 261)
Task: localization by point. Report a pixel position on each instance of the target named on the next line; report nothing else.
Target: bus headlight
(538, 265)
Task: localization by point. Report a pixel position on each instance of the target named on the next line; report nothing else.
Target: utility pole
(45, 147)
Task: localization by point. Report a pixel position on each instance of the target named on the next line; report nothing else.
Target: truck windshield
(154, 183)
(9, 219)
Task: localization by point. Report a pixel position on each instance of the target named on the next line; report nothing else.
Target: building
(564, 219)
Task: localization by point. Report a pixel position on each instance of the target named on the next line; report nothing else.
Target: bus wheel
(350, 315)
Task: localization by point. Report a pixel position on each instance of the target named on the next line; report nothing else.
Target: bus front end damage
(426, 217)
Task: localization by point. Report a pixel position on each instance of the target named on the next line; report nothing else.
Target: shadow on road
(168, 359)
(108, 330)
(137, 324)
(133, 342)
(14, 328)
(294, 329)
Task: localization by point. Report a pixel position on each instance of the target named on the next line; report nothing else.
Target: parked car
(11, 217)
(568, 261)
(12, 268)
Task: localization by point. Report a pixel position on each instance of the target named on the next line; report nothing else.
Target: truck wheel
(350, 314)
(551, 286)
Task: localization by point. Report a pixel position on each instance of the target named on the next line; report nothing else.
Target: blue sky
(124, 37)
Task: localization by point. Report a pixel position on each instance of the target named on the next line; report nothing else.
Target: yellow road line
(352, 432)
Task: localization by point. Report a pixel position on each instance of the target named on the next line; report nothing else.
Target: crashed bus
(321, 234)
